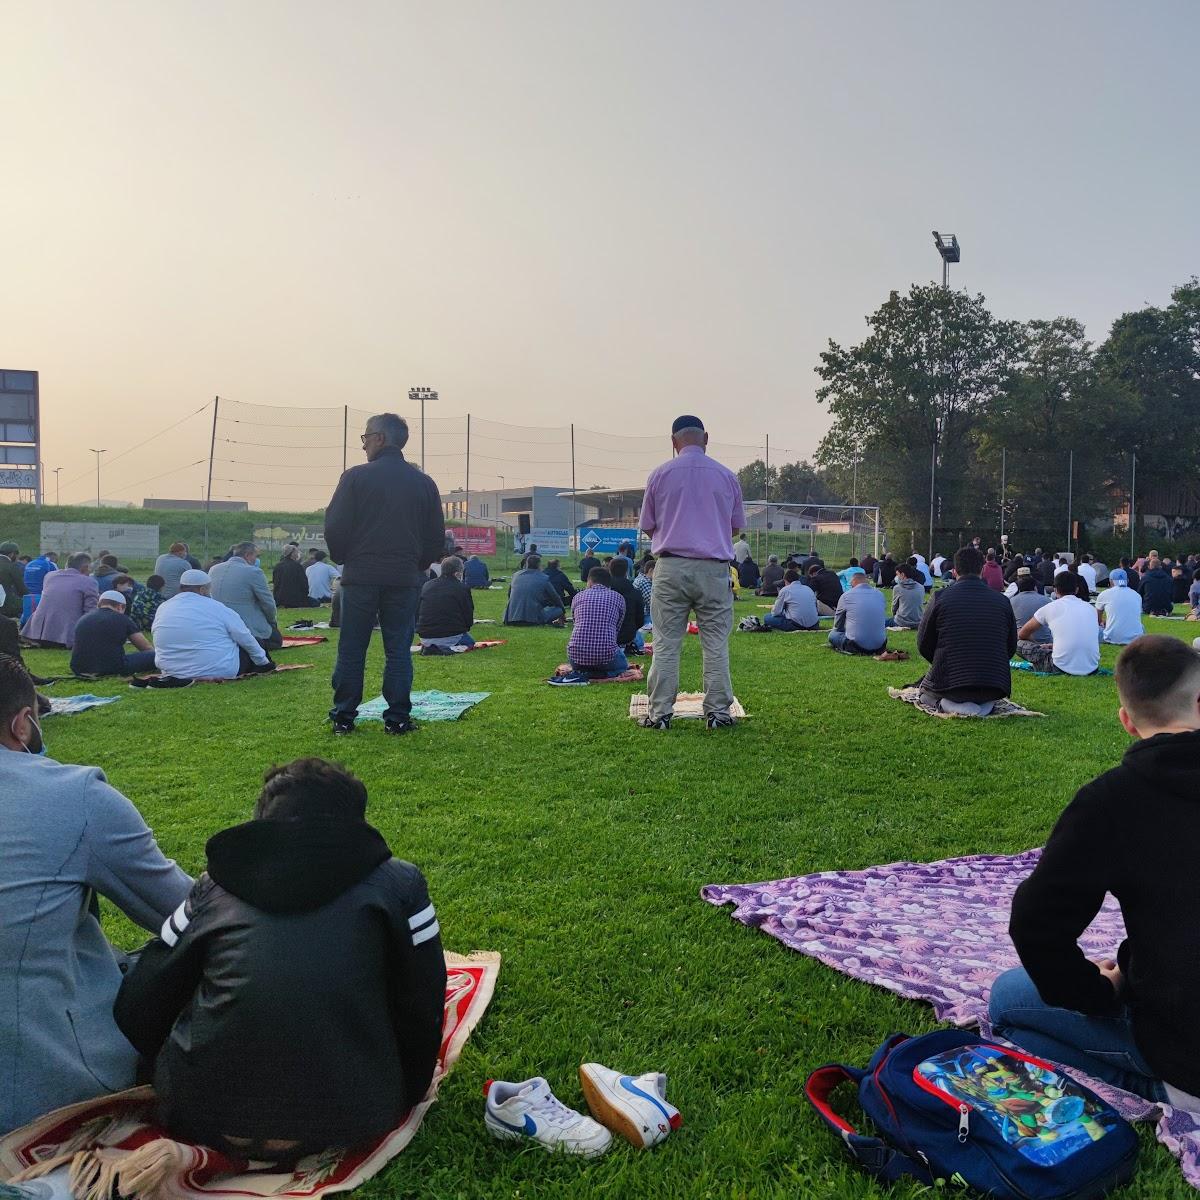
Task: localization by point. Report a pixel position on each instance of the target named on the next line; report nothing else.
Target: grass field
(556, 832)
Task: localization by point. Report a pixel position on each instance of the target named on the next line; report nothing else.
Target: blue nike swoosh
(628, 1084)
(529, 1127)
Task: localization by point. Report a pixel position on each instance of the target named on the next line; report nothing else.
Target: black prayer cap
(685, 422)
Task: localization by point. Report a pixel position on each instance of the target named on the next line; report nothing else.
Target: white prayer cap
(194, 579)
(113, 597)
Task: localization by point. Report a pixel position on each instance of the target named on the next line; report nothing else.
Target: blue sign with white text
(600, 539)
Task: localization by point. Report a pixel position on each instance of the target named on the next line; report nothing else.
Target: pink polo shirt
(692, 506)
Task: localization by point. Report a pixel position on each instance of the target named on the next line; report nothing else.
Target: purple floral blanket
(936, 932)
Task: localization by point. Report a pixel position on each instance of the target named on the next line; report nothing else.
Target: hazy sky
(608, 213)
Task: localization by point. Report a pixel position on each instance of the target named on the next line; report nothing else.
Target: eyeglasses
(362, 437)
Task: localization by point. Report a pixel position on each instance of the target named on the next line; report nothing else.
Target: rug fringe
(38, 1169)
(142, 1172)
(475, 958)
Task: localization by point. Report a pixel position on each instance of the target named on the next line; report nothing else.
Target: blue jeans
(839, 641)
(396, 610)
(1101, 1046)
(618, 665)
(139, 660)
(784, 624)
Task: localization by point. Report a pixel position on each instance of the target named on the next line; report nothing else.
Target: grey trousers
(683, 586)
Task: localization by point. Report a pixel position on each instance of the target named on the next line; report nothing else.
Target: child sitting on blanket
(1133, 832)
(294, 1002)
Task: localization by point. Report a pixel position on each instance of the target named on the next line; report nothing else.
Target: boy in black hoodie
(295, 1001)
(1133, 832)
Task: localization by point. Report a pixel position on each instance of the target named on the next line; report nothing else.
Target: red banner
(475, 539)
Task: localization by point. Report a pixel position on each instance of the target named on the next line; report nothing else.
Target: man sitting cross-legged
(629, 636)
(240, 584)
(532, 599)
(1134, 1023)
(100, 639)
(860, 620)
(1120, 610)
(1074, 630)
(197, 637)
(795, 606)
(68, 838)
(908, 598)
(295, 1002)
(447, 611)
(772, 577)
(968, 634)
(598, 612)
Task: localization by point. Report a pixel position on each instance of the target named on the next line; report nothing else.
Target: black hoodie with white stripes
(297, 995)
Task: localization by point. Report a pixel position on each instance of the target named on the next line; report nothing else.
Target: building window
(483, 510)
(787, 527)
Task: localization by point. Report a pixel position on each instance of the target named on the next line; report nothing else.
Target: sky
(552, 212)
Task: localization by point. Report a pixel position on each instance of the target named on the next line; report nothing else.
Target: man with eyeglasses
(384, 525)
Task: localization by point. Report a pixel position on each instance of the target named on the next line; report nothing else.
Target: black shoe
(719, 721)
(408, 725)
(656, 722)
(342, 726)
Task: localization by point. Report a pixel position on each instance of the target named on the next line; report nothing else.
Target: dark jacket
(1157, 590)
(289, 584)
(587, 563)
(529, 594)
(1132, 832)
(446, 608)
(887, 572)
(562, 585)
(827, 586)
(635, 611)
(12, 579)
(748, 576)
(968, 634)
(1044, 572)
(298, 995)
(384, 523)
(772, 579)
(475, 573)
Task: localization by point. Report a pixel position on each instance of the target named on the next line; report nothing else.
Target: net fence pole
(574, 531)
(1070, 490)
(1132, 501)
(345, 434)
(212, 448)
(875, 552)
(467, 513)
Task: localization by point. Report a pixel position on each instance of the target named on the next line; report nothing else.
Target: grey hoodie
(908, 601)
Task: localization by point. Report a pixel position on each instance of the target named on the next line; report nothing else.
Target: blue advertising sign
(600, 539)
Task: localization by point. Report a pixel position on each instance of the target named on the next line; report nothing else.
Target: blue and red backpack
(952, 1108)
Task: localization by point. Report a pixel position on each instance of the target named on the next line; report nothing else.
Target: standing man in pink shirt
(692, 510)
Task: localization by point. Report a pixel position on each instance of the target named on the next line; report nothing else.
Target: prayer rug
(936, 932)
(688, 706)
(1002, 708)
(173, 681)
(110, 1145)
(308, 625)
(564, 676)
(65, 706)
(1019, 664)
(288, 643)
(459, 649)
(426, 706)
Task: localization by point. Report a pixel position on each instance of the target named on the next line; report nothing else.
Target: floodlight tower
(947, 247)
(422, 394)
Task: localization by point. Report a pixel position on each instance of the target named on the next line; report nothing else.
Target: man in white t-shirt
(1087, 572)
(1120, 609)
(1074, 628)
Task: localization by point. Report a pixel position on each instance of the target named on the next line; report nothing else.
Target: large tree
(788, 483)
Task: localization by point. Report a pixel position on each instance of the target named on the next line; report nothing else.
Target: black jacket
(587, 563)
(384, 524)
(1132, 832)
(562, 585)
(635, 611)
(887, 572)
(290, 584)
(299, 993)
(446, 608)
(827, 586)
(1157, 590)
(1044, 572)
(968, 634)
(748, 576)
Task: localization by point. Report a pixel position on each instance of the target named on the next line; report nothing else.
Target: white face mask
(37, 744)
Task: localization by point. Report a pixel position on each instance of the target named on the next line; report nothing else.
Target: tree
(788, 483)
(911, 395)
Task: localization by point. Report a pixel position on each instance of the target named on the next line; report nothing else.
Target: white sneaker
(636, 1108)
(531, 1110)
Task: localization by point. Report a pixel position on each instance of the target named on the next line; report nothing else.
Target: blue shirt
(36, 571)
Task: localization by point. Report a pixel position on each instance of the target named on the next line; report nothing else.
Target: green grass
(556, 832)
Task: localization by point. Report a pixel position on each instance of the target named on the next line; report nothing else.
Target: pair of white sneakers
(633, 1106)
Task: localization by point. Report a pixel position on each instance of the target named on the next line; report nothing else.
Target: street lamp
(97, 453)
(57, 481)
(422, 394)
(947, 247)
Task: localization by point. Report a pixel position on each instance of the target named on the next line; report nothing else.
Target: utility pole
(97, 453)
(1132, 501)
(1003, 488)
(1070, 489)
(57, 485)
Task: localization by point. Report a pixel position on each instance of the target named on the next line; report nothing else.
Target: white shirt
(1088, 573)
(197, 637)
(1075, 631)
(320, 579)
(741, 550)
(1062, 566)
(936, 564)
(1122, 609)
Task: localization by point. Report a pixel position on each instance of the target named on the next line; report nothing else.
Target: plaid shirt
(598, 612)
(644, 583)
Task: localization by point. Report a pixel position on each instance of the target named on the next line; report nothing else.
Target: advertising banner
(274, 537)
(600, 539)
(549, 541)
(474, 539)
(127, 542)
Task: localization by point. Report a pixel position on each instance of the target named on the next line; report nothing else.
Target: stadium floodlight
(947, 247)
(422, 394)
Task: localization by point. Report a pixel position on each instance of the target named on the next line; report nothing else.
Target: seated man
(908, 599)
(772, 577)
(967, 635)
(100, 640)
(295, 1002)
(1120, 610)
(1074, 627)
(68, 838)
(240, 584)
(321, 575)
(146, 602)
(1157, 590)
(1028, 600)
(747, 572)
(197, 637)
(36, 570)
(475, 573)
(586, 565)
(992, 573)
(629, 636)
(593, 648)
(66, 596)
(795, 606)
(885, 571)
(848, 574)
(107, 569)
(826, 586)
(12, 580)
(1134, 1023)
(447, 611)
(860, 620)
(562, 585)
(532, 599)
(289, 580)
(645, 583)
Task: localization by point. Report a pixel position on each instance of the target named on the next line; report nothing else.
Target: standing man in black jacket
(384, 525)
(968, 634)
